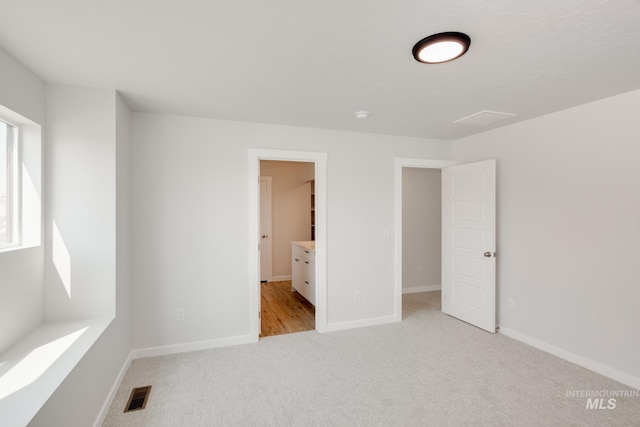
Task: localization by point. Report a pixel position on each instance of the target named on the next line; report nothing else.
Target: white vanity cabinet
(303, 269)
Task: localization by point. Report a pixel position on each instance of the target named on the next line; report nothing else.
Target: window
(8, 185)
(20, 182)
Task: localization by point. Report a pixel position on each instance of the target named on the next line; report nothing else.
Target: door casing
(399, 164)
(320, 161)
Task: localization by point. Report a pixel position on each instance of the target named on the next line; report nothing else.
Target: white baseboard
(192, 346)
(341, 326)
(280, 278)
(601, 369)
(416, 289)
(112, 393)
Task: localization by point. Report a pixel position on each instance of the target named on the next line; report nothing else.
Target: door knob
(487, 254)
(264, 236)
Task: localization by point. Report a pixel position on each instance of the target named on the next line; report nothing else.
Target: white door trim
(320, 160)
(399, 163)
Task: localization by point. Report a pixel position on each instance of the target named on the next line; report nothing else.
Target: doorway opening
(468, 239)
(319, 275)
(421, 230)
(287, 247)
(418, 227)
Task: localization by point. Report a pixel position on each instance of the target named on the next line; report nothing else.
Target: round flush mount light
(441, 47)
(362, 114)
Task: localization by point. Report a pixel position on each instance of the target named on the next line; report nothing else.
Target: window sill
(32, 370)
(19, 247)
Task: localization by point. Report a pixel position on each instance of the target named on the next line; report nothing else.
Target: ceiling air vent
(138, 399)
(484, 118)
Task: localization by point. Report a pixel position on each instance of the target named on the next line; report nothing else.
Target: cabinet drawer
(307, 268)
(297, 272)
(303, 252)
(309, 291)
(303, 272)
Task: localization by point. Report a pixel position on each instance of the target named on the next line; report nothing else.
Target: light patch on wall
(34, 364)
(31, 212)
(61, 259)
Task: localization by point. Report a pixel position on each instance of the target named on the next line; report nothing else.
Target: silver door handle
(487, 254)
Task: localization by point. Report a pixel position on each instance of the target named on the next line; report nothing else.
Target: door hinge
(259, 314)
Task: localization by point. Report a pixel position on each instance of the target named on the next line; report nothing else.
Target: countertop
(311, 245)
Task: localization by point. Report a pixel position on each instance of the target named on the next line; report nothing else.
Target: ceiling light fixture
(441, 47)
(362, 114)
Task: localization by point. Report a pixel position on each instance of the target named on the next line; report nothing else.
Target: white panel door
(469, 243)
(265, 229)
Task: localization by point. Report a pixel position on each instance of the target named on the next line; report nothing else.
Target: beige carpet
(428, 370)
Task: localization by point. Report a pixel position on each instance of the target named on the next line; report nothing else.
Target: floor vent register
(138, 399)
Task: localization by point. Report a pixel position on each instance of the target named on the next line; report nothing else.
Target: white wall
(80, 215)
(122, 322)
(190, 223)
(421, 228)
(21, 271)
(20, 89)
(88, 180)
(569, 228)
(291, 209)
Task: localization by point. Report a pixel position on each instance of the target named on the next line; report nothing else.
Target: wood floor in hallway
(284, 311)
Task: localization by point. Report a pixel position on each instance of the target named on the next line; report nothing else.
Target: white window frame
(14, 200)
(27, 182)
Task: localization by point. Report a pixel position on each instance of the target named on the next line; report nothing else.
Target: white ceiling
(315, 63)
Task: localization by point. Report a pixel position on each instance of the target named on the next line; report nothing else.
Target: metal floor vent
(138, 399)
